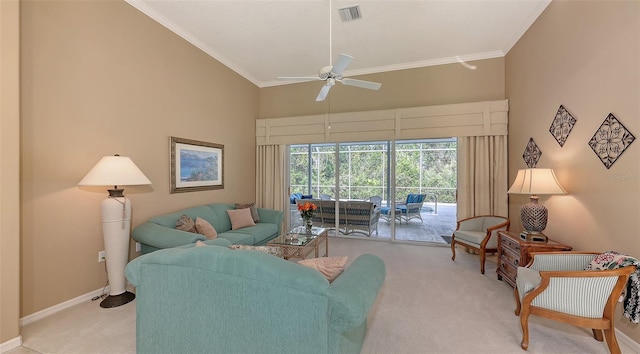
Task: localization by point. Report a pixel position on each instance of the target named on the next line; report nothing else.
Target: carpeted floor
(428, 304)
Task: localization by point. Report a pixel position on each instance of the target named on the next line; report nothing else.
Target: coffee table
(297, 243)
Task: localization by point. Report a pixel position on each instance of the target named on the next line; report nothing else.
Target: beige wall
(585, 56)
(435, 85)
(99, 78)
(9, 171)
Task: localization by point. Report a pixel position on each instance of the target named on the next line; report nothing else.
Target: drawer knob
(515, 261)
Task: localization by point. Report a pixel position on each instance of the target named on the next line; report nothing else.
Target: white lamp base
(116, 225)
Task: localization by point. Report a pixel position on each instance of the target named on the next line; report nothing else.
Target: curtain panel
(270, 176)
(482, 176)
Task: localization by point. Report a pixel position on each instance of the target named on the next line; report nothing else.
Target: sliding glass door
(357, 176)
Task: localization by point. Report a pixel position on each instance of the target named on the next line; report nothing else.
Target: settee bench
(354, 215)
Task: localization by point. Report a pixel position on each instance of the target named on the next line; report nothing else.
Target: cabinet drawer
(509, 271)
(509, 258)
(508, 243)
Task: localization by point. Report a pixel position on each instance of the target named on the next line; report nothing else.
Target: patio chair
(376, 200)
(407, 210)
(555, 285)
(479, 233)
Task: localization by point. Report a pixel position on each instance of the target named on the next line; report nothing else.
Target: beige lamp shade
(535, 181)
(115, 171)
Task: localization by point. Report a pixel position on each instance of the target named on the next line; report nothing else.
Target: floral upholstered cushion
(252, 208)
(274, 251)
(185, 223)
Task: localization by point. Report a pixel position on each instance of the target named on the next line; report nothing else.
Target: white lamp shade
(535, 181)
(115, 171)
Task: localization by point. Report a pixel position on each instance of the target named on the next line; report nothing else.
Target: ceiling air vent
(350, 13)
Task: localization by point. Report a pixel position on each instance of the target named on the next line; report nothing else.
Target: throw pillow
(203, 227)
(185, 223)
(200, 243)
(330, 267)
(274, 251)
(252, 208)
(307, 196)
(240, 218)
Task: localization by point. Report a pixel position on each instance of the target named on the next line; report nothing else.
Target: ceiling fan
(332, 74)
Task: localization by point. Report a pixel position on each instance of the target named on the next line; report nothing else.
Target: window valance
(488, 118)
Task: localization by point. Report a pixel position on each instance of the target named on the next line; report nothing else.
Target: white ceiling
(262, 39)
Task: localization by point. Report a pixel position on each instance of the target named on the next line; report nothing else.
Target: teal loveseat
(214, 299)
(160, 232)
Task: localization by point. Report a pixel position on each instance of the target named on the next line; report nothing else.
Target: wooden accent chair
(556, 286)
(479, 233)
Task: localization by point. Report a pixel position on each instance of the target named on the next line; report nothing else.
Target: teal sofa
(214, 299)
(160, 232)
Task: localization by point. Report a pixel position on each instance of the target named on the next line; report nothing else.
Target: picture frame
(195, 165)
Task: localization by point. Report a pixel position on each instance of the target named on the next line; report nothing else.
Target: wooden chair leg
(453, 248)
(597, 334)
(612, 343)
(516, 295)
(524, 323)
(483, 258)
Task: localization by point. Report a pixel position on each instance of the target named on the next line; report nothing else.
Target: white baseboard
(11, 344)
(627, 341)
(61, 306)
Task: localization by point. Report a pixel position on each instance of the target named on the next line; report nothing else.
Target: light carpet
(428, 304)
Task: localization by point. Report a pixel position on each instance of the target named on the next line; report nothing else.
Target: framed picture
(196, 165)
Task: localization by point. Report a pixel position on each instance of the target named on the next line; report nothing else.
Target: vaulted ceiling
(261, 39)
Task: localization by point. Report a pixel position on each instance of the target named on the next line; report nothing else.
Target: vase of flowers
(306, 212)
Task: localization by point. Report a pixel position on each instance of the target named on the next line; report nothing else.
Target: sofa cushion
(240, 218)
(238, 238)
(186, 223)
(252, 207)
(219, 217)
(472, 237)
(260, 232)
(169, 220)
(330, 267)
(204, 228)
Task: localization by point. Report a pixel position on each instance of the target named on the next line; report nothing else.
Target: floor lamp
(116, 220)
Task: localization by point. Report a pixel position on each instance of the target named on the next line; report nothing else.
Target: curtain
(270, 176)
(482, 176)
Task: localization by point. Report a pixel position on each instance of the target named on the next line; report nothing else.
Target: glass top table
(297, 243)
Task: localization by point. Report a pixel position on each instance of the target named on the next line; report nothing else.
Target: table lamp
(116, 220)
(534, 181)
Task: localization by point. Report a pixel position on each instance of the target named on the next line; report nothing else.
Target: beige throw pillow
(185, 223)
(203, 227)
(240, 218)
(330, 267)
(252, 207)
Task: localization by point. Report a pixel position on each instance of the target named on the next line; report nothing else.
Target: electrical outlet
(102, 256)
(138, 248)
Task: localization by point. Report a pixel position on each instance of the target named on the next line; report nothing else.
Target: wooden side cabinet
(514, 252)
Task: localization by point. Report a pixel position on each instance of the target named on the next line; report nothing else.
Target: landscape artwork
(196, 165)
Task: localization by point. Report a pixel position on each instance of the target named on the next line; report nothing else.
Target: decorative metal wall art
(562, 125)
(531, 154)
(610, 140)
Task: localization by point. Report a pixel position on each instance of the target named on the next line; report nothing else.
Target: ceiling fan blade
(323, 93)
(361, 83)
(297, 78)
(341, 64)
